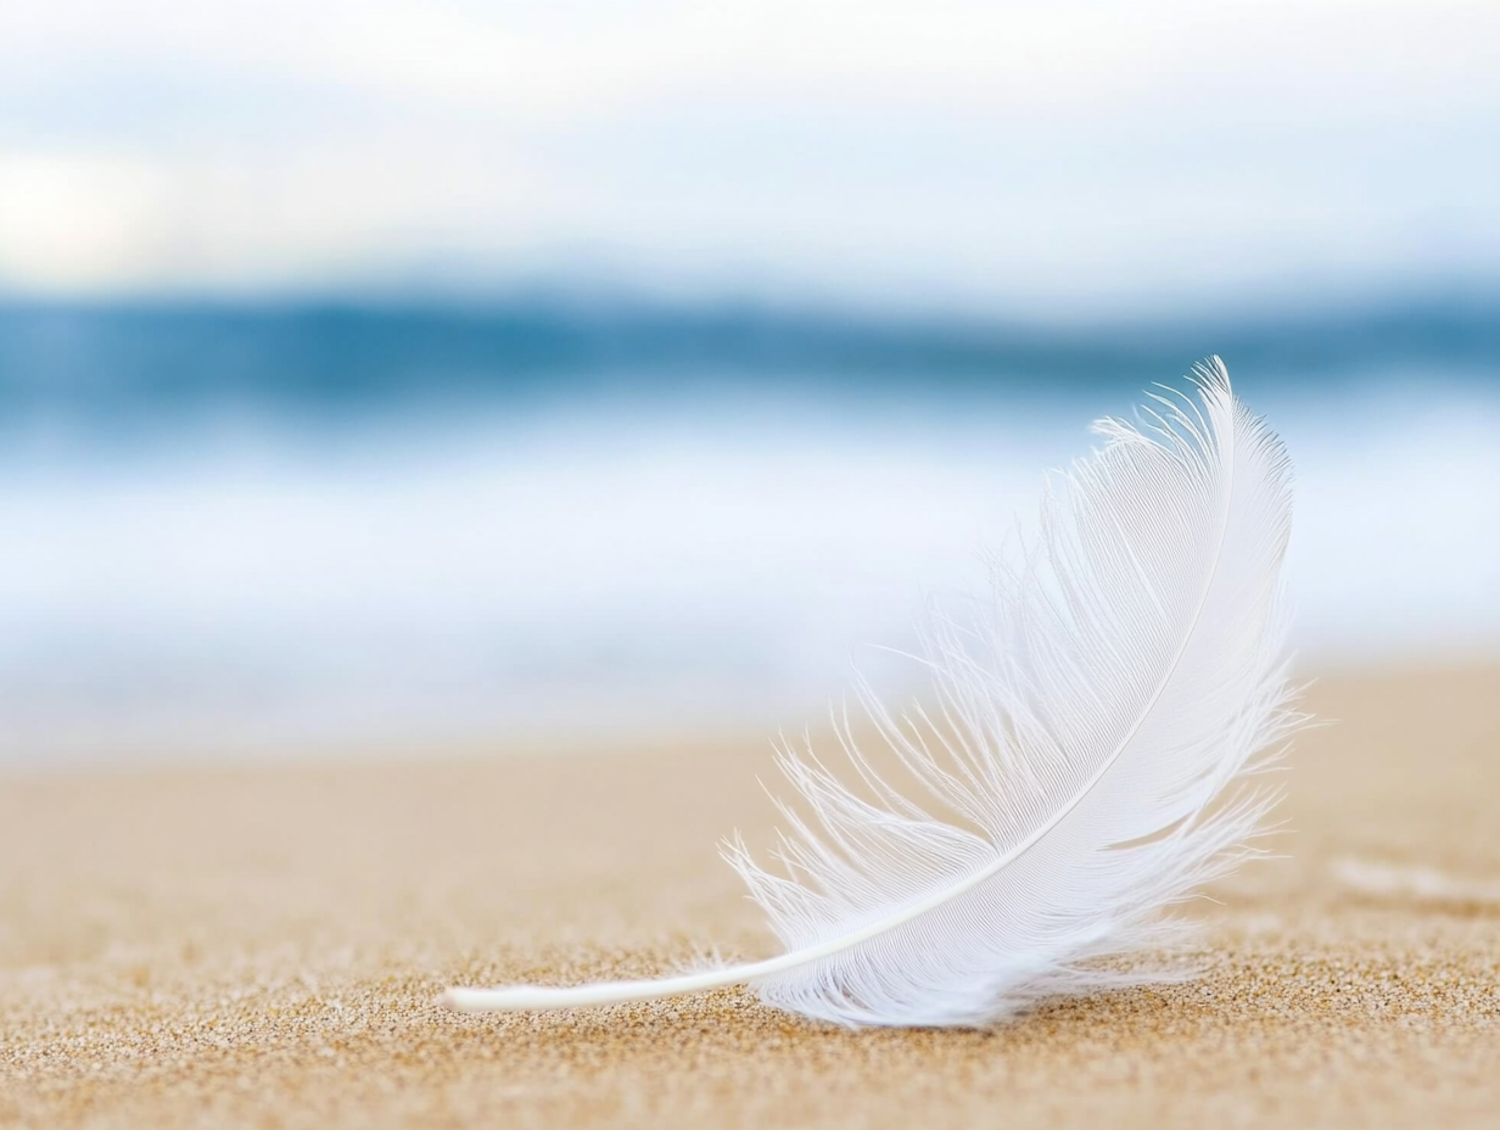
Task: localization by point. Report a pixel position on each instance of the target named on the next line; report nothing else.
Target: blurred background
(395, 374)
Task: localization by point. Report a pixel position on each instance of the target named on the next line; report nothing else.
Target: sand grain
(262, 948)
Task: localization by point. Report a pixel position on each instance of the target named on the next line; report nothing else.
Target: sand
(261, 947)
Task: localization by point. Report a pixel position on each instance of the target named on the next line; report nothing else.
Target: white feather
(1129, 669)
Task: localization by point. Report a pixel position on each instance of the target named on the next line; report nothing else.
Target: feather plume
(1072, 778)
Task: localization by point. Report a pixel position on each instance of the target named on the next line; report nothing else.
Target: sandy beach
(262, 946)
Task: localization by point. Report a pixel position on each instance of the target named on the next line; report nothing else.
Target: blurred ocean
(234, 527)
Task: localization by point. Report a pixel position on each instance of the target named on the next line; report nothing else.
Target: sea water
(311, 526)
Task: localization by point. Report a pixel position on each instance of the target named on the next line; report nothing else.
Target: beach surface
(237, 946)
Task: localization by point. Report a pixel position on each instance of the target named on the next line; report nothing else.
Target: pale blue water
(232, 528)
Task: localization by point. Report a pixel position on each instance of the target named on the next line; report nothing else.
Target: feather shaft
(1132, 670)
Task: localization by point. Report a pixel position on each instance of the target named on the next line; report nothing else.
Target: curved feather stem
(1264, 700)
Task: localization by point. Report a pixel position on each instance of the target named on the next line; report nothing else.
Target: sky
(1056, 158)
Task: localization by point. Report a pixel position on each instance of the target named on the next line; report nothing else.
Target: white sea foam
(652, 571)
(1421, 884)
